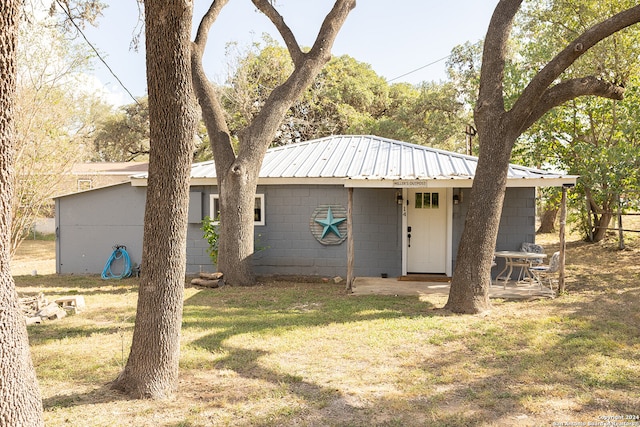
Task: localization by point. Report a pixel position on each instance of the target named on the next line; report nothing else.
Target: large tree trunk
(601, 225)
(237, 194)
(548, 219)
(498, 130)
(152, 367)
(471, 279)
(19, 393)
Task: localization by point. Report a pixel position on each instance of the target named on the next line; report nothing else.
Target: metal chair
(532, 248)
(546, 272)
(525, 264)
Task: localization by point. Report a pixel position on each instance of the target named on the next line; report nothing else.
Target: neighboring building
(86, 176)
(409, 207)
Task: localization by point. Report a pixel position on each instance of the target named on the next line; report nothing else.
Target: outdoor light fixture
(457, 198)
(399, 197)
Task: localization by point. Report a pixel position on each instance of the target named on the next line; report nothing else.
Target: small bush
(211, 229)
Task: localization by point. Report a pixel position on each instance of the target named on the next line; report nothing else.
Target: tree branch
(568, 90)
(306, 69)
(207, 21)
(266, 7)
(493, 56)
(212, 111)
(330, 28)
(535, 90)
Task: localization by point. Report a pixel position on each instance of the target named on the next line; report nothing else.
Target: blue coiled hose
(119, 253)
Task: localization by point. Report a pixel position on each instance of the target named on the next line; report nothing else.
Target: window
(258, 209)
(427, 201)
(84, 184)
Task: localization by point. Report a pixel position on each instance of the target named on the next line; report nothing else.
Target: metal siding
(357, 156)
(91, 223)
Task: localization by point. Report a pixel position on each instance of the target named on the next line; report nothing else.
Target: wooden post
(620, 229)
(350, 245)
(563, 243)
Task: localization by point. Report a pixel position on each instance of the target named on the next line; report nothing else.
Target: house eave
(457, 182)
(363, 182)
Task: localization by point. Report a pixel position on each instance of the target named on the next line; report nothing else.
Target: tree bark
(152, 367)
(601, 225)
(471, 278)
(498, 130)
(237, 174)
(548, 219)
(19, 393)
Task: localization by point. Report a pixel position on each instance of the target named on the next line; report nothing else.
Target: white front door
(426, 230)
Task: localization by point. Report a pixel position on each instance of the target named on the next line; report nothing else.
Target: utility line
(418, 69)
(96, 51)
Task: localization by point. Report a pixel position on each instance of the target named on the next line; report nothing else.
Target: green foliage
(124, 135)
(595, 138)
(347, 97)
(211, 229)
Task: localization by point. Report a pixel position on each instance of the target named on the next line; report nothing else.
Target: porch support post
(563, 243)
(350, 245)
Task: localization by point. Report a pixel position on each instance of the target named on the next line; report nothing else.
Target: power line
(96, 52)
(418, 69)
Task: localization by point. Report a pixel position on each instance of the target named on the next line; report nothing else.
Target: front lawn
(306, 354)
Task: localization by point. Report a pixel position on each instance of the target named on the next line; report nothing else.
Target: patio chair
(546, 272)
(532, 248)
(525, 264)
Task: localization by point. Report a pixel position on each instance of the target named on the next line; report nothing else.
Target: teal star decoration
(330, 224)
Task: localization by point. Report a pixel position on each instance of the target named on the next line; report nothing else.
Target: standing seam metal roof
(367, 157)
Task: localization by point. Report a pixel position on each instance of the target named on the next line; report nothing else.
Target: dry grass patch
(306, 354)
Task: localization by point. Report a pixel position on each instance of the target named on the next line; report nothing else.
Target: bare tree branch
(570, 89)
(280, 99)
(209, 102)
(266, 7)
(207, 21)
(330, 28)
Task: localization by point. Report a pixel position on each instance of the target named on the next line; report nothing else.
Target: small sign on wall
(328, 224)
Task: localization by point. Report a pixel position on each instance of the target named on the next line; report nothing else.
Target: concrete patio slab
(393, 286)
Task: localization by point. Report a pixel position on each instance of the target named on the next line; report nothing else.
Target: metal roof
(373, 159)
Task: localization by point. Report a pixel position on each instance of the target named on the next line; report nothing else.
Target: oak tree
(499, 127)
(595, 138)
(237, 172)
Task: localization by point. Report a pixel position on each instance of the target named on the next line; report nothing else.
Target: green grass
(306, 354)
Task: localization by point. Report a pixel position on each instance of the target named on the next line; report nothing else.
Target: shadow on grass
(259, 310)
(564, 368)
(103, 394)
(555, 368)
(495, 370)
(64, 285)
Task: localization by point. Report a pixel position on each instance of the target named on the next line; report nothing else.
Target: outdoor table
(517, 259)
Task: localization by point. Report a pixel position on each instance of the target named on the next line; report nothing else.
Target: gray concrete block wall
(377, 227)
(89, 224)
(288, 247)
(286, 239)
(517, 222)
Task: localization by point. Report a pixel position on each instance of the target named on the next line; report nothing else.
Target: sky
(394, 40)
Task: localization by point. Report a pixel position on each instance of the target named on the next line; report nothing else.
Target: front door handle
(409, 239)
